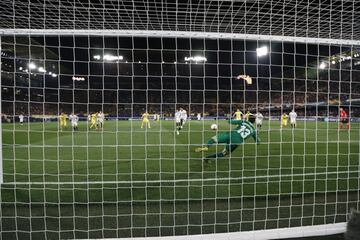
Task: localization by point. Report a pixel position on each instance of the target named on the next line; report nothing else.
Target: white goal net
(124, 119)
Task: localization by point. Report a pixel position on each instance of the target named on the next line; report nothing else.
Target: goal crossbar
(176, 34)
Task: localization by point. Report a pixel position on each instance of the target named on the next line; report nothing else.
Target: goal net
(124, 119)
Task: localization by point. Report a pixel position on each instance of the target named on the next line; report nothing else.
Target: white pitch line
(180, 180)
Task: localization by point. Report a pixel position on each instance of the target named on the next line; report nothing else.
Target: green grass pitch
(126, 181)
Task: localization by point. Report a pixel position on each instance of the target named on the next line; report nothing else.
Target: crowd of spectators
(309, 97)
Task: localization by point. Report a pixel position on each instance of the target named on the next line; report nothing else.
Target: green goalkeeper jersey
(244, 130)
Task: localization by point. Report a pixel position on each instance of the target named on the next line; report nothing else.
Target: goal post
(116, 179)
(1, 155)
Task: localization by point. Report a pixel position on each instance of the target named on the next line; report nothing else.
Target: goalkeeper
(232, 139)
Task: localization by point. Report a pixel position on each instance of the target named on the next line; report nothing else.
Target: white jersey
(21, 118)
(199, 117)
(183, 115)
(74, 119)
(259, 118)
(100, 117)
(293, 117)
(177, 116)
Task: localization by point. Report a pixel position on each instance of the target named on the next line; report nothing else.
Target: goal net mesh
(137, 173)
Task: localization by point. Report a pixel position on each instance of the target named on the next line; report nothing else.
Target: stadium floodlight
(78, 78)
(32, 66)
(262, 51)
(20, 68)
(322, 65)
(41, 69)
(195, 59)
(333, 62)
(108, 57)
(53, 75)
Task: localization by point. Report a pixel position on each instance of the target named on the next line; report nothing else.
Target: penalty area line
(182, 180)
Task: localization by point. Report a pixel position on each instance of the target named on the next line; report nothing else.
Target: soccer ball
(214, 126)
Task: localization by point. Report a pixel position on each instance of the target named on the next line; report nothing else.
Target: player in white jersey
(258, 120)
(293, 117)
(74, 119)
(100, 119)
(183, 117)
(178, 121)
(199, 116)
(21, 119)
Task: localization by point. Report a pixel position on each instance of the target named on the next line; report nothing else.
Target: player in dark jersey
(232, 139)
(344, 119)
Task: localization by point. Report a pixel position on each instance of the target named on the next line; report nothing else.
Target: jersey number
(244, 132)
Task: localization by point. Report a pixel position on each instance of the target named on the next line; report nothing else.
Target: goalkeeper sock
(216, 155)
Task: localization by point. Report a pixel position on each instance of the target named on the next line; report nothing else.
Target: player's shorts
(145, 120)
(74, 124)
(93, 121)
(345, 120)
(284, 123)
(258, 122)
(63, 123)
(177, 120)
(292, 121)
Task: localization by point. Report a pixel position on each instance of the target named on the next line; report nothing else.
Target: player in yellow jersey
(93, 121)
(247, 115)
(145, 120)
(237, 115)
(284, 120)
(62, 121)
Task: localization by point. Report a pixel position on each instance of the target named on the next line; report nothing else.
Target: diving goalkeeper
(232, 139)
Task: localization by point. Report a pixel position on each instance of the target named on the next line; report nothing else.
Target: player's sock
(216, 155)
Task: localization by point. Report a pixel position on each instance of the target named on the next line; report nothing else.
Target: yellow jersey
(93, 117)
(284, 117)
(63, 117)
(145, 116)
(247, 115)
(238, 115)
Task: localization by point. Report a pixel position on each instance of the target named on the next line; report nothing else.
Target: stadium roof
(325, 19)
